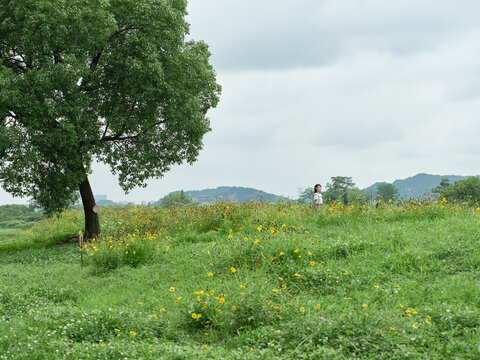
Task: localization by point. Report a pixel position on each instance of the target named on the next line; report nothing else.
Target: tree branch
(12, 64)
(121, 137)
(96, 58)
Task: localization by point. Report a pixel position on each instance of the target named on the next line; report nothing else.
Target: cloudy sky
(373, 89)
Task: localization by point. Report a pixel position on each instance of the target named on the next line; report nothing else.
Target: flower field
(247, 281)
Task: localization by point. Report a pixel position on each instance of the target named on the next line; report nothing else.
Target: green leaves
(467, 190)
(108, 80)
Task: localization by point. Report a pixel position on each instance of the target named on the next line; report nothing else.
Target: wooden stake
(80, 244)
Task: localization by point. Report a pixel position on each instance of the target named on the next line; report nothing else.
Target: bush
(467, 190)
(13, 224)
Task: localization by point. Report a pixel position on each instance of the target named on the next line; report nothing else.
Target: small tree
(113, 81)
(386, 192)
(440, 189)
(338, 188)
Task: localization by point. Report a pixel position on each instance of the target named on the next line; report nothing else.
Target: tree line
(343, 189)
(18, 216)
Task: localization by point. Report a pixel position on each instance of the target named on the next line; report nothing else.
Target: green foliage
(272, 281)
(114, 81)
(306, 196)
(386, 192)
(440, 189)
(355, 196)
(176, 199)
(342, 188)
(20, 213)
(467, 190)
(416, 186)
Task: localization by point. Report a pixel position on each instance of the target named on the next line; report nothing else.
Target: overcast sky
(377, 90)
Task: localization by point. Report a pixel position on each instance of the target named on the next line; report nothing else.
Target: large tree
(114, 81)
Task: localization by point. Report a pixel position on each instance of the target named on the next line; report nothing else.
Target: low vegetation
(18, 216)
(255, 281)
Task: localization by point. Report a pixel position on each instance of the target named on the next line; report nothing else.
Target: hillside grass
(253, 281)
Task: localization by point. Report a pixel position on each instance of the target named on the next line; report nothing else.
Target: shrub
(467, 190)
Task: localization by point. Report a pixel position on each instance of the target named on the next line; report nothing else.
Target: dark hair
(315, 187)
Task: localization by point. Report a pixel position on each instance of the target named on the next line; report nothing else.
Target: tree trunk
(92, 225)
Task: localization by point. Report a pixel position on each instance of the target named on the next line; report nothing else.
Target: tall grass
(248, 281)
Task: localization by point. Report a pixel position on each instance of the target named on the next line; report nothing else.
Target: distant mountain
(103, 201)
(418, 185)
(229, 193)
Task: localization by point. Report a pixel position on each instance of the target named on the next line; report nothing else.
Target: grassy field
(7, 234)
(253, 281)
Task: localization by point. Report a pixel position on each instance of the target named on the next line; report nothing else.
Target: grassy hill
(247, 281)
(416, 186)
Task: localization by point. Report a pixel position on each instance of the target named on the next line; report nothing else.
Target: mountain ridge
(228, 193)
(417, 185)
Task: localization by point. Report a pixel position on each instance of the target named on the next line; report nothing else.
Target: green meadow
(8, 233)
(246, 281)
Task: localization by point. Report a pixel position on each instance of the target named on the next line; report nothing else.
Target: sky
(377, 90)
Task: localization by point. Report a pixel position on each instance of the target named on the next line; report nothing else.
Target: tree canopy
(113, 81)
(387, 191)
(440, 189)
(467, 190)
(342, 188)
(176, 199)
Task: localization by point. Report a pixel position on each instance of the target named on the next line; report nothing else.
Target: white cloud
(268, 34)
(312, 89)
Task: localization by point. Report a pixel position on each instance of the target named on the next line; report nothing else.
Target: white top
(318, 198)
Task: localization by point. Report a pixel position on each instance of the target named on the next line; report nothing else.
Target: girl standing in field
(317, 197)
